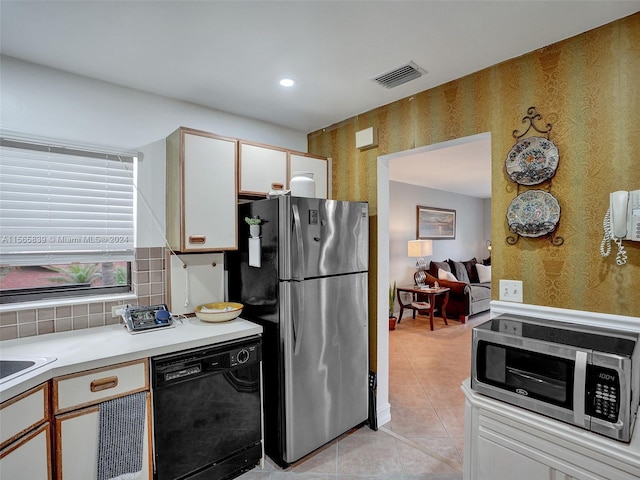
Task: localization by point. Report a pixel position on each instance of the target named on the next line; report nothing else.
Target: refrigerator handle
(297, 274)
(296, 322)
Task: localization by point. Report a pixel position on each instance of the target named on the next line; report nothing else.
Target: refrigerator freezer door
(325, 360)
(321, 237)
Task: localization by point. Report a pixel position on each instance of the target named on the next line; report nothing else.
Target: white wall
(37, 100)
(151, 209)
(43, 102)
(473, 224)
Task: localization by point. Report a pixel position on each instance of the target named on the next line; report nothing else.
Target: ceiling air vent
(399, 75)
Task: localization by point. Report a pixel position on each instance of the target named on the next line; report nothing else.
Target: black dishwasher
(206, 411)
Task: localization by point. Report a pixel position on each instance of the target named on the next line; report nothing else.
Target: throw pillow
(470, 265)
(484, 273)
(435, 266)
(444, 275)
(460, 271)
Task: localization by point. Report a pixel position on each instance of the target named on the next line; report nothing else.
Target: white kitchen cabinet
(201, 189)
(25, 435)
(496, 461)
(262, 165)
(259, 166)
(194, 279)
(29, 457)
(504, 442)
(77, 399)
(319, 166)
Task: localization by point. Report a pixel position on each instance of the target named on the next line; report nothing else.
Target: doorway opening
(438, 173)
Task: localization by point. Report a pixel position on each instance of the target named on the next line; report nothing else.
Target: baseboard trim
(384, 414)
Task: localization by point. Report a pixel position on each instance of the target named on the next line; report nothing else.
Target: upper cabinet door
(319, 166)
(259, 167)
(201, 192)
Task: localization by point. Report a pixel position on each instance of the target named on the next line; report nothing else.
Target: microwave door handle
(535, 377)
(579, 383)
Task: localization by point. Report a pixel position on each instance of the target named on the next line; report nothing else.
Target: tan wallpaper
(588, 88)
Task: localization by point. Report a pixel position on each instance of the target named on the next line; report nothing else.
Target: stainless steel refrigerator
(304, 279)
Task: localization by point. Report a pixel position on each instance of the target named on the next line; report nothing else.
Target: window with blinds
(66, 221)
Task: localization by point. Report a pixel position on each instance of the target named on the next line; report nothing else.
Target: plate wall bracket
(530, 120)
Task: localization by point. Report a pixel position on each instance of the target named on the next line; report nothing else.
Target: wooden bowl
(218, 311)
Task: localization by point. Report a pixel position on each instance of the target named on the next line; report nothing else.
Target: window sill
(61, 302)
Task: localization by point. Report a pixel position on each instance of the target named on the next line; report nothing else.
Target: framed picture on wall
(435, 223)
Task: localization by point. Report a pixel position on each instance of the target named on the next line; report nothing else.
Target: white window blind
(62, 205)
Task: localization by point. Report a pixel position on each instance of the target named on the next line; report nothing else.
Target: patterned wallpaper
(588, 88)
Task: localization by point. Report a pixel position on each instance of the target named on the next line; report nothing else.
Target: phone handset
(619, 203)
(615, 225)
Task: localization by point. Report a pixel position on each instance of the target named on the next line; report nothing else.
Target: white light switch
(511, 290)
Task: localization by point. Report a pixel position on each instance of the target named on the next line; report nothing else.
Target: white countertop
(80, 350)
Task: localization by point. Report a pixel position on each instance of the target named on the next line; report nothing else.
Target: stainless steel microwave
(584, 375)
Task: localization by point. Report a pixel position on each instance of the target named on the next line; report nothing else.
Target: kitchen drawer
(22, 413)
(93, 386)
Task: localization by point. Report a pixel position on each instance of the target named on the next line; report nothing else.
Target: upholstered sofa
(469, 295)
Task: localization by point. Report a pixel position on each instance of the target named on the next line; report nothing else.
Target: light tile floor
(424, 440)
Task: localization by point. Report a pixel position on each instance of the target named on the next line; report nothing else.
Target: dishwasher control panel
(185, 372)
(172, 368)
(244, 355)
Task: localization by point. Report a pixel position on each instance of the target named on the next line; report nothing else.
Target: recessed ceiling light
(287, 82)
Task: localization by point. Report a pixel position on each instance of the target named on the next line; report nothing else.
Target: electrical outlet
(118, 310)
(511, 290)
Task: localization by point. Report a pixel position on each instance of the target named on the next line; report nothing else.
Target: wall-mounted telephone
(621, 222)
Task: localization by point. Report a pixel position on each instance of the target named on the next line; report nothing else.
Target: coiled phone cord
(605, 245)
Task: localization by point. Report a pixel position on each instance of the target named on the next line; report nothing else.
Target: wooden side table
(415, 305)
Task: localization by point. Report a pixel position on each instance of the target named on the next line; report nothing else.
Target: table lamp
(488, 260)
(419, 249)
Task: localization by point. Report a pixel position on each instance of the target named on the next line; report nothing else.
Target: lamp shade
(419, 248)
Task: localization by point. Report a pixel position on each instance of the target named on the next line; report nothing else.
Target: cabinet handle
(104, 384)
(197, 238)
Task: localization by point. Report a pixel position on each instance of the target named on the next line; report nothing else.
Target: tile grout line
(413, 444)
(435, 410)
(440, 420)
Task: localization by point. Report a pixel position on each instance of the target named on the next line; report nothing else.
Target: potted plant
(254, 225)
(392, 302)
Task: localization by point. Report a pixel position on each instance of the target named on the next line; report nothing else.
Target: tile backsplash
(148, 278)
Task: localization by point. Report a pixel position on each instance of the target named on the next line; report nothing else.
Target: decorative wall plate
(533, 213)
(532, 160)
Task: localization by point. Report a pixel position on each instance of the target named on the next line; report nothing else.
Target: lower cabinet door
(29, 457)
(77, 443)
(496, 462)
